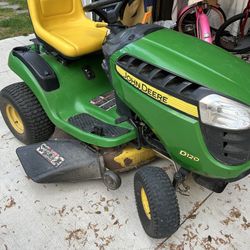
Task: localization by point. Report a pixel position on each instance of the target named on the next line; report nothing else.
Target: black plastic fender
(41, 70)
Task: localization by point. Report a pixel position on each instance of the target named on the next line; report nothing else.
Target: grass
(21, 3)
(13, 23)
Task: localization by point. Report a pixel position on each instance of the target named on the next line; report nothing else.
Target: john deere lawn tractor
(126, 95)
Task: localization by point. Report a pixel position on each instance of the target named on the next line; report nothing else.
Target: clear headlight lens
(221, 112)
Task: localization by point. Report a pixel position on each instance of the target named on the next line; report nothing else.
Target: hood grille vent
(163, 80)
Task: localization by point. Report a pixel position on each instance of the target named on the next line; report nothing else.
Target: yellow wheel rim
(145, 203)
(15, 119)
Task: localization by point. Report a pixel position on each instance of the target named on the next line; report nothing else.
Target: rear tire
(24, 115)
(156, 202)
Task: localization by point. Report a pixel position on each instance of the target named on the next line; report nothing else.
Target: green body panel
(197, 62)
(182, 55)
(74, 96)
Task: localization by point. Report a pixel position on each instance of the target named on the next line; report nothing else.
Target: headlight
(222, 112)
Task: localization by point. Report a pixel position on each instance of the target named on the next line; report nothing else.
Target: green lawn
(21, 3)
(13, 23)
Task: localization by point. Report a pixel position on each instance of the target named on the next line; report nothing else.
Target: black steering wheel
(108, 10)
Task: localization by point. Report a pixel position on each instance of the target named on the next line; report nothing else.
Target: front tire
(24, 115)
(156, 202)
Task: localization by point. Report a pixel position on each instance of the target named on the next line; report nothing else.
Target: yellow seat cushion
(62, 24)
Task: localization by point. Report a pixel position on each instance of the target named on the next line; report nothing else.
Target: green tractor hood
(195, 60)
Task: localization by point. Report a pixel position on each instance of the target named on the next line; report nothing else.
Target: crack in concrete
(187, 218)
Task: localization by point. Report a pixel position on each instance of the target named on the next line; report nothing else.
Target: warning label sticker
(50, 155)
(105, 101)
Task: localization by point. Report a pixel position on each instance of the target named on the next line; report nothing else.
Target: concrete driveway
(87, 216)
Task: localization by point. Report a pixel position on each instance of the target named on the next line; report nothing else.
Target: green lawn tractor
(126, 95)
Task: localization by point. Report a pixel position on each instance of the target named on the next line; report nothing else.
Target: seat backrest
(42, 12)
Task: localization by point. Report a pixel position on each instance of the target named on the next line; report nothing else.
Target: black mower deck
(60, 161)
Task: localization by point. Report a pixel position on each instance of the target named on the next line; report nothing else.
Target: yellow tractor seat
(62, 25)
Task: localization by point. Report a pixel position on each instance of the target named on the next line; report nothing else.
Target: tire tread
(39, 127)
(163, 202)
